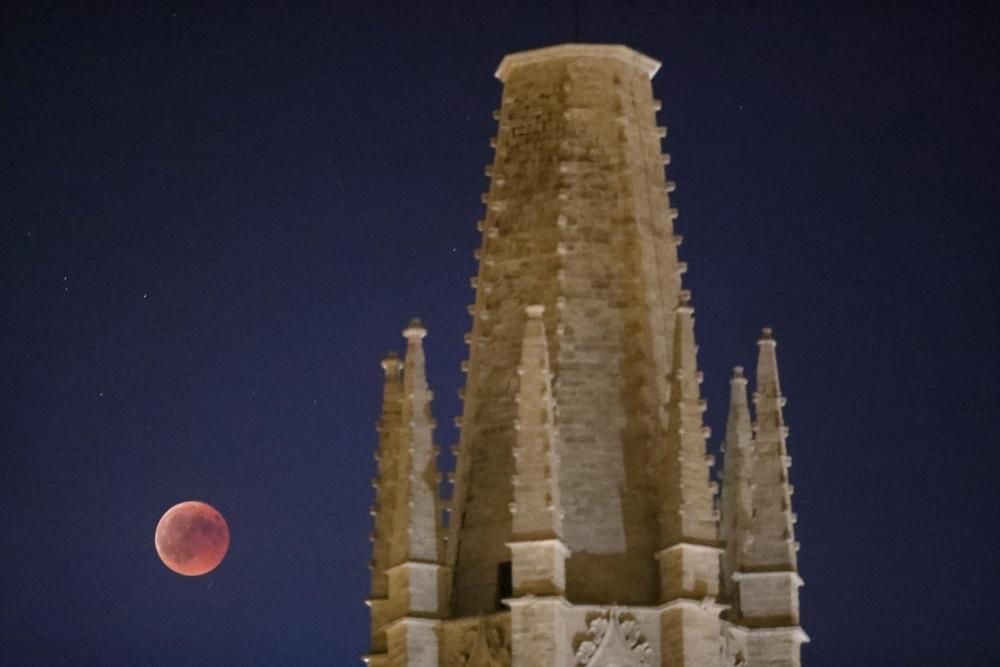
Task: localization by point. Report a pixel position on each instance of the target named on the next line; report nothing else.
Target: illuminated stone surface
(584, 528)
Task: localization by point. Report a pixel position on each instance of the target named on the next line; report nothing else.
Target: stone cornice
(415, 564)
(614, 51)
(737, 576)
(413, 620)
(694, 546)
(797, 632)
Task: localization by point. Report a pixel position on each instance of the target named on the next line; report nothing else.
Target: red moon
(192, 538)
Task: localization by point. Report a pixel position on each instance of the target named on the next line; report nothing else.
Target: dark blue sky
(217, 220)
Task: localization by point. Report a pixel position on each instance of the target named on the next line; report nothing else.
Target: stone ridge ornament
(615, 641)
(486, 646)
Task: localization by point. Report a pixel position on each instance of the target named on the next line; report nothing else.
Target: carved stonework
(613, 639)
(485, 646)
(733, 649)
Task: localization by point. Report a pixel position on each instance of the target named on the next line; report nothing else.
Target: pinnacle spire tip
(414, 329)
(390, 361)
(766, 336)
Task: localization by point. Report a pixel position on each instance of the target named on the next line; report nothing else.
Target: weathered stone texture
(737, 488)
(479, 641)
(413, 643)
(578, 221)
(584, 530)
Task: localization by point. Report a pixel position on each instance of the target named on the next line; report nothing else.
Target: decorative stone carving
(613, 639)
(733, 649)
(486, 646)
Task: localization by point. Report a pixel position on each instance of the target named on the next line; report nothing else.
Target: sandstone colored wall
(579, 221)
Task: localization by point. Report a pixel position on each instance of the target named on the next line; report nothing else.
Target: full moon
(192, 538)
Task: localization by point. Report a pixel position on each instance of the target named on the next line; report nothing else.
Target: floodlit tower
(583, 526)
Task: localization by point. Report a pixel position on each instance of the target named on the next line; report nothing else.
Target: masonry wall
(616, 555)
(578, 220)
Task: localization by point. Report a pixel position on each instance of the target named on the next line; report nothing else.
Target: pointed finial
(390, 362)
(738, 375)
(415, 329)
(766, 336)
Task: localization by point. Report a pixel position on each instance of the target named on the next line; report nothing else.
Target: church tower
(583, 526)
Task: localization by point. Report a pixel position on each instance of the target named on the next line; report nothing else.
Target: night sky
(216, 221)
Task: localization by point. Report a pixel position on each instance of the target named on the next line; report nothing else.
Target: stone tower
(583, 526)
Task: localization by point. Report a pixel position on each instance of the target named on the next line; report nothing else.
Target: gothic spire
(402, 625)
(689, 529)
(736, 484)
(765, 624)
(537, 551)
(688, 513)
(536, 513)
(385, 482)
(773, 546)
(418, 532)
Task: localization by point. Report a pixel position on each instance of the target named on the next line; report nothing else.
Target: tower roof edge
(617, 51)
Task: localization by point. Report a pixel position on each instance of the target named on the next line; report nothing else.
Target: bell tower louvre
(585, 527)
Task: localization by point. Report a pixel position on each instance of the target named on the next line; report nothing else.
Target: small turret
(538, 553)
(773, 547)
(736, 487)
(536, 540)
(689, 557)
(386, 485)
(687, 512)
(417, 505)
(766, 629)
(407, 568)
